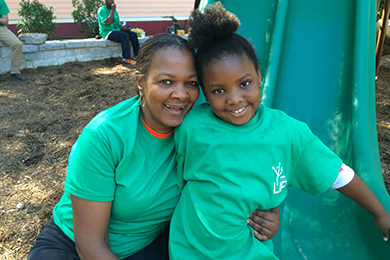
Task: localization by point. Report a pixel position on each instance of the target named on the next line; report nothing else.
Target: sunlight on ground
(383, 124)
(114, 70)
(9, 94)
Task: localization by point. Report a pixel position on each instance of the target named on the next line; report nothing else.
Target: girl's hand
(265, 223)
(383, 223)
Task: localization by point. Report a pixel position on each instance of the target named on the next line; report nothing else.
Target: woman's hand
(265, 224)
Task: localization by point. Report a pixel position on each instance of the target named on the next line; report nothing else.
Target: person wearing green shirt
(110, 28)
(235, 155)
(10, 39)
(121, 187)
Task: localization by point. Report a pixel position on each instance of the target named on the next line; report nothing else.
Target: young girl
(235, 155)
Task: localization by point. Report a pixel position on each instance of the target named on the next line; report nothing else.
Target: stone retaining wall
(62, 51)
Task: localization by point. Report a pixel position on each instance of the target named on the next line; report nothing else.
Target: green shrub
(36, 18)
(86, 15)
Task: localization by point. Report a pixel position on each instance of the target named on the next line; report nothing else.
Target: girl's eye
(245, 83)
(192, 84)
(218, 91)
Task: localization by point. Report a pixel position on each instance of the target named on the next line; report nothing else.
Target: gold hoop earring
(142, 101)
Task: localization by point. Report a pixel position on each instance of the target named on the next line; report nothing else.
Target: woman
(121, 188)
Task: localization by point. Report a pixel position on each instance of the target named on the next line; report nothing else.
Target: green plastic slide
(317, 63)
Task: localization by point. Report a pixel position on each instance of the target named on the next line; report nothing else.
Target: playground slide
(317, 62)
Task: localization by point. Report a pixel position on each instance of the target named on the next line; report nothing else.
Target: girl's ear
(140, 83)
(260, 79)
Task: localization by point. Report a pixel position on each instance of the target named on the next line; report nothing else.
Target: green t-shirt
(3, 9)
(116, 159)
(105, 29)
(232, 170)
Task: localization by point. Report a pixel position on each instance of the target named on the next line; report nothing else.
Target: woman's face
(232, 86)
(169, 90)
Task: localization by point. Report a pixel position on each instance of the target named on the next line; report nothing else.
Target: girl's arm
(358, 191)
(90, 220)
(265, 224)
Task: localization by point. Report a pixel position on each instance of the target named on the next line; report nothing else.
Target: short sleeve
(317, 166)
(101, 15)
(91, 168)
(3, 8)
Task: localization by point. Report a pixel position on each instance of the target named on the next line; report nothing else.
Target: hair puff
(213, 25)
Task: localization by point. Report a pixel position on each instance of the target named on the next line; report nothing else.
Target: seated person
(110, 28)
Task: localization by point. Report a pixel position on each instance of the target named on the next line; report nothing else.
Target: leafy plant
(36, 18)
(86, 15)
(380, 9)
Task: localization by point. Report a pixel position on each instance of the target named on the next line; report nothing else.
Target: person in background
(121, 187)
(110, 28)
(10, 39)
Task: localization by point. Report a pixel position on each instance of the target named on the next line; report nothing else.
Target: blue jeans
(124, 38)
(52, 244)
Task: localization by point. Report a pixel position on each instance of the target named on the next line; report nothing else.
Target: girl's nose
(235, 97)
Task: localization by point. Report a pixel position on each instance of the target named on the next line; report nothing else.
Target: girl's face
(169, 90)
(232, 86)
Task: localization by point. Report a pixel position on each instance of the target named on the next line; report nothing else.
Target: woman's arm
(4, 19)
(265, 224)
(358, 191)
(90, 220)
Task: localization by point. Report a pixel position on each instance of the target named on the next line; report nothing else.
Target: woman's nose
(180, 91)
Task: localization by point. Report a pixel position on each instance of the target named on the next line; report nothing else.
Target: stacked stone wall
(58, 52)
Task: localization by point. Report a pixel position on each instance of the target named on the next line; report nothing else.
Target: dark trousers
(124, 38)
(52, 243)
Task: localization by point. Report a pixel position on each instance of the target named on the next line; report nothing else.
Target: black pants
(52, 243)
(124, 38)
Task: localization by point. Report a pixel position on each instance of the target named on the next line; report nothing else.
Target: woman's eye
(218, 91)
(245, 83)
(166, 82)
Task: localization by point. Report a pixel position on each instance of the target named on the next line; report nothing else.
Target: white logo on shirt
(280, 180)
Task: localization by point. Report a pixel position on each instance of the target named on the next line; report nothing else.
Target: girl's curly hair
(213, 33)
(213, 25)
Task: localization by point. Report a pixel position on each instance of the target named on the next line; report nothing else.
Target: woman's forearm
(93, 252)
(90, 221)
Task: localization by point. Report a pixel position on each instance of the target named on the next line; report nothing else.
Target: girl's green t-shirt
(229, 171)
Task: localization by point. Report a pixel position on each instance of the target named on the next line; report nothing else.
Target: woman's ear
(140, 80)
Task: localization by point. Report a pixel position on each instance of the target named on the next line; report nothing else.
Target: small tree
(86, 15)
(36, 18)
